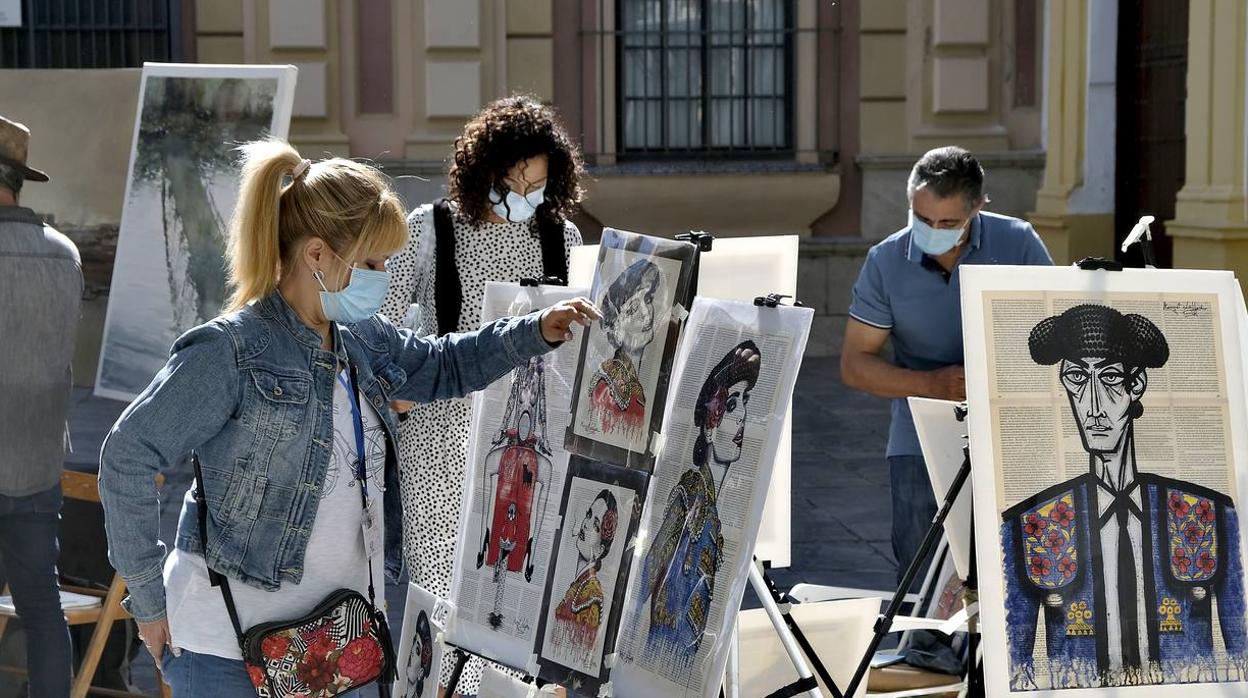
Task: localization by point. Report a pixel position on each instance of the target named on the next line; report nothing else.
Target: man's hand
(155, 636)
(948, 383)
(557, 320)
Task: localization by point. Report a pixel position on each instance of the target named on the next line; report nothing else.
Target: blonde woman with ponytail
(278, 397)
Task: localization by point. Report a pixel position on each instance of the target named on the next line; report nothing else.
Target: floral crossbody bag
(341, 645)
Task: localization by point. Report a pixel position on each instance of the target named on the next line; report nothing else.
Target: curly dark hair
(502, 134)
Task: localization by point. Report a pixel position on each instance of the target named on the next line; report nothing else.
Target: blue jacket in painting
(1193, 572)
(679, 570)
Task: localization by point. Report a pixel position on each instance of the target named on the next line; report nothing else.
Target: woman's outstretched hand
(557, 320)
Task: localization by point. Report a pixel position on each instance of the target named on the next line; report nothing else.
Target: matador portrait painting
(1129, 577)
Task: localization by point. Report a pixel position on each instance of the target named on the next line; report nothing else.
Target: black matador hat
(1099, 331)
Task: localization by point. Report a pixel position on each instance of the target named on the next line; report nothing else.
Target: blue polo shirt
(902, 290)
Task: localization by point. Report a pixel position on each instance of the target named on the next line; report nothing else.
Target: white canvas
(733, 382)
(839, 631)
(942, 436)
(496, 684)
(420, 647)
(181, 187)
(499, 594)
(1168, 427)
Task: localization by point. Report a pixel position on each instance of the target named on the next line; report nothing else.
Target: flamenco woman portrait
(419, 658)
(617, 396)
(579, 615)
(678, 575)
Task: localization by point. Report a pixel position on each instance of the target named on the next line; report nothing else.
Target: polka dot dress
(433, 441)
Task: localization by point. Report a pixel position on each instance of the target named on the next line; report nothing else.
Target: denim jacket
(252, 393)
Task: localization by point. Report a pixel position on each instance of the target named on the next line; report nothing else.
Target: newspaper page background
(475, 592)
(715, 328)
(1185, 429)
(1000, 376)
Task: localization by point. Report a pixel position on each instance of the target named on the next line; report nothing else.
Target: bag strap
(448, 296)
(215, 578)
(201, 509)
(554, 256)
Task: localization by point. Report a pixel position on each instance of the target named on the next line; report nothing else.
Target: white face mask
(517, 208)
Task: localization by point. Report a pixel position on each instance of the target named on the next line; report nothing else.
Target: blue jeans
(192, 675)
(29, 551)
(914, 507)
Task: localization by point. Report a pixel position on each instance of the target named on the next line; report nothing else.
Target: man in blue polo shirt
(909, 292)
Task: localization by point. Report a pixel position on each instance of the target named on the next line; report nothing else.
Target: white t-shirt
(335, 558)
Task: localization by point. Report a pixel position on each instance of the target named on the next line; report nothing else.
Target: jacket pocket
(280, 404)
(245, 504)
(391, 377)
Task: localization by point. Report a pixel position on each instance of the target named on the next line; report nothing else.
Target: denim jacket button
(377, 401)
(277, 390)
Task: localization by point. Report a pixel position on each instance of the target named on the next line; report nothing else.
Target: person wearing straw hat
(40, 297)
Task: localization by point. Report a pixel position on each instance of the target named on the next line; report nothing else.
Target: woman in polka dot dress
(515, 172)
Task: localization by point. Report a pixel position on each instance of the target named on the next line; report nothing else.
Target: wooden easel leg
(91, 659)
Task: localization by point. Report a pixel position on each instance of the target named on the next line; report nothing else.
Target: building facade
(739, 117)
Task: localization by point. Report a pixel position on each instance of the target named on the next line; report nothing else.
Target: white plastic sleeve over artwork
(731, 386)
(515, 477)
(420, 646)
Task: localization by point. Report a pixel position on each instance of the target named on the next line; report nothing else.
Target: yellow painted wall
(722, 204)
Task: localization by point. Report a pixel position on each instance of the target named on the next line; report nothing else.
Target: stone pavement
(840, 483)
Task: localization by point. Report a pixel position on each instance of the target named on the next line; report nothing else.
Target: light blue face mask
(359, 300)
(517, 208)
(933, 241)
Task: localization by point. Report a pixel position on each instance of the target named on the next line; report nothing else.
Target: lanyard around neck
(357, 418)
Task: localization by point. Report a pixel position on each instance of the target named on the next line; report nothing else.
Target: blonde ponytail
(347, 204)
(254, 249)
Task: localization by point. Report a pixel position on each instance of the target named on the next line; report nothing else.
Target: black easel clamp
(529, 281)
(773, 300)
(1098, 263)
(699, 238)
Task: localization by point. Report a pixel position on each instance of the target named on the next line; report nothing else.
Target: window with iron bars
(701, 77)
(93, 34)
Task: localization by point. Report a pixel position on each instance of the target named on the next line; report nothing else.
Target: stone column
(1075, 206)
(1210, 227)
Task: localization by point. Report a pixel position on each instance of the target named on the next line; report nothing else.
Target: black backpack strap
(448, 296)
(554, 257)
(217, 579)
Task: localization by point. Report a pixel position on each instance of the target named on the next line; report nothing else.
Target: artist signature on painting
(1187, 308)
